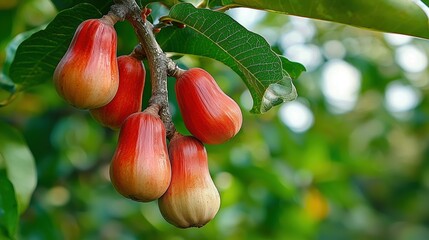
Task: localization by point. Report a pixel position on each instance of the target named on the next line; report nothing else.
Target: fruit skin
(209, 114)
(140, 168)
(128, 98)
(87, 75)
(192, 199)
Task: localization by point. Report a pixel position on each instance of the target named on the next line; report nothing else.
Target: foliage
(17, 161)
(396, 16)
(217, 36)
(356, 172)
(8, 207)
(36, 58)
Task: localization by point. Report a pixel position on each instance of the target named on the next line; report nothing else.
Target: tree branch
(159, 63)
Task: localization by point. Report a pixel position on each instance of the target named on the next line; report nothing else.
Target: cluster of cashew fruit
(144, 166)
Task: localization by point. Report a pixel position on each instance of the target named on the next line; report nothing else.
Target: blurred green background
(347, 160)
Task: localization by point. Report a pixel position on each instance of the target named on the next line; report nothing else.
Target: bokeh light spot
(224, 180)
(246, 100)
(57, 196)
(397, 39)
(411, 58)
(340, 85)
(247, 17)
(334, 49)
(307, 54)
(297, 116)
(401, 98)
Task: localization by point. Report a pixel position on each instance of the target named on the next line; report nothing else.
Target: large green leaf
(168, 3)
(102, 5)
(8, 208)
(36, 57)
(396, 16)
(218, 36)
(5, 82)
(16, 158)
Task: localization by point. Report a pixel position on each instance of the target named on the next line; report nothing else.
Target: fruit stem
(111, 18)
(173, 70)
(153, 109)
(158, 61)
(138, 52)
(176, 134)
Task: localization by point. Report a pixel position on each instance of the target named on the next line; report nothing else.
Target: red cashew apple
(208, 113)
(128, 98)
(192, 199)
(87, 75)
(140, 168)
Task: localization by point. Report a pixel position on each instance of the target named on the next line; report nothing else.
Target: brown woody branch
(160, 66)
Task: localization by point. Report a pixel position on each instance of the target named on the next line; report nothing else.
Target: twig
(159, 63)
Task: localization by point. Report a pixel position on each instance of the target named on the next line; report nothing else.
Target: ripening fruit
(140, 168)
(192, 199)
(128, 98)
(87, 76)
(209, 114)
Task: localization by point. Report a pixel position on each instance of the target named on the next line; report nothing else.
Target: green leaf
(36, 57)
(168, 3)
(396, 16)
(215, 3)
(18, 161)
(8, 208)
(102, 5)
(5, 82)
(218, 36)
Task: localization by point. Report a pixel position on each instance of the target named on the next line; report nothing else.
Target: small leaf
(18, 161)
(396, 16)
(37, 57)
(8, 207)
(218, 36)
